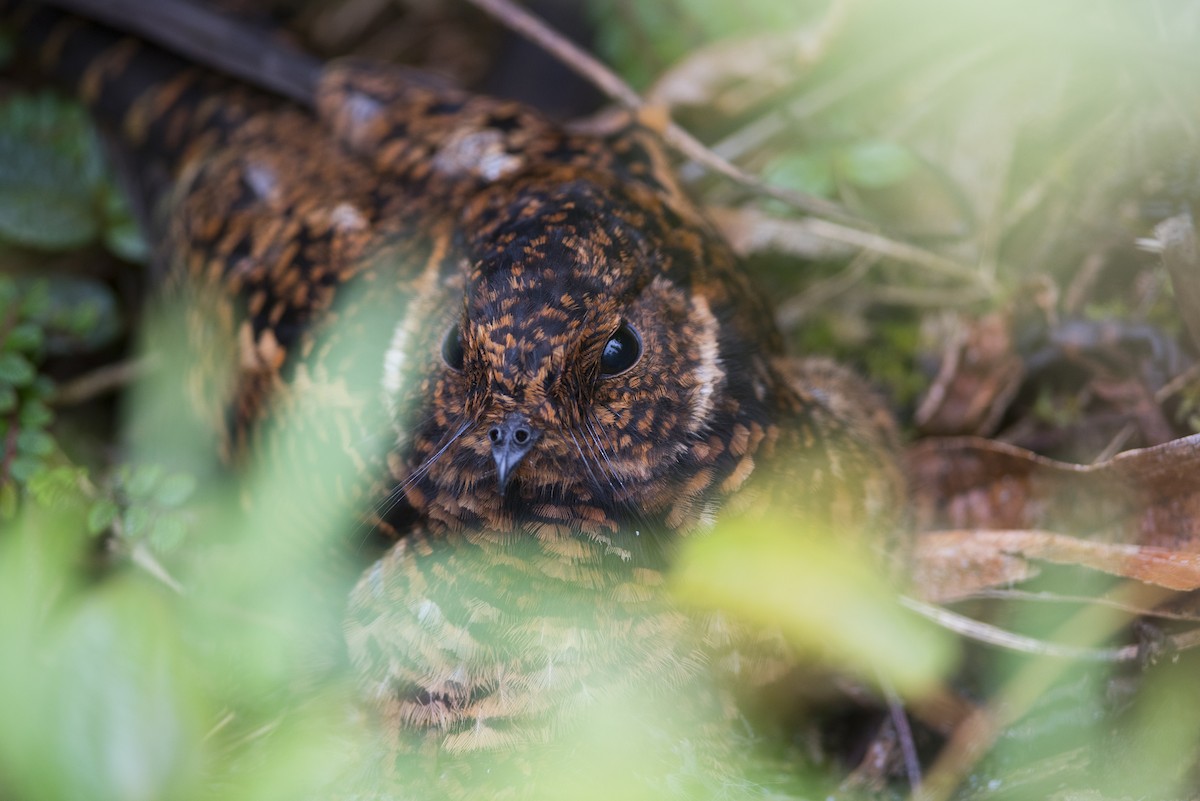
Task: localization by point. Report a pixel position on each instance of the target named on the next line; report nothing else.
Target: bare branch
(583, 63)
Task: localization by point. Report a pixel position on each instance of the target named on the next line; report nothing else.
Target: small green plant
(56, 190)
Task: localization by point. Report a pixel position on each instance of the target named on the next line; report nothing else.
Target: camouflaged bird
(574, 371)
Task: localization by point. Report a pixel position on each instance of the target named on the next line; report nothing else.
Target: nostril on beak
(511, 440)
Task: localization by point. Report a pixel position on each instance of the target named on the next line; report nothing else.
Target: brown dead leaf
(1149, 496)
(979, 374)
(954, 564)
(989, 510)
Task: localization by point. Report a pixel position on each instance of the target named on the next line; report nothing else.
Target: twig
(104, 379)
(792, 312)
(583, 63)
(206, 37)
(900, 251)
(1059, 598)
(993, 635)
(143, 558)
(904, 733)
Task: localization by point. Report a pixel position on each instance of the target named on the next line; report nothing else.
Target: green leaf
(135, 521)
(35, 414)
(57, 486)
(24, 337)
(120, 708)
(22, 467)
(43, 217)
(77, 313)
(124, 239)
(875, 164)
(34, 442)
(8, 398)
(55, 189)
(122, 235)
(142, 480)
(35, 297)
(101, 516)
(820, 593)
(811, 173)
(15, 370)
(167, 533)
(175, 489)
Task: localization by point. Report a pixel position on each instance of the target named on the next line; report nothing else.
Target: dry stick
(108, 378)
(1046, 597)
(904, 733)
(1001, 638)
(541, 34)
(209, 38)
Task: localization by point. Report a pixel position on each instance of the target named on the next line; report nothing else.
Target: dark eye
(621, 351)
(452, 348)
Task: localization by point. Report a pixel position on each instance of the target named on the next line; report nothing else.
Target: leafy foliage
(56, 192)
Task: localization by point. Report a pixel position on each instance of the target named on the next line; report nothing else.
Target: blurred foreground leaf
(823, 595)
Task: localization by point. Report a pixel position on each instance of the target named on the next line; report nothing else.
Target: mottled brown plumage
(573, 370)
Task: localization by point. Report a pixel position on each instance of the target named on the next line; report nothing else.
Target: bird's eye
(621, 352)
(452, 348)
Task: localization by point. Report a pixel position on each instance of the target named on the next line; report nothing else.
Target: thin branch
(583, 63)
(1059, 598)
(993, 635)
(904, 733)
(209, 38)
(102, 380)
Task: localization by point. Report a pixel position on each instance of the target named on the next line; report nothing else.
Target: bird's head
(582, 358)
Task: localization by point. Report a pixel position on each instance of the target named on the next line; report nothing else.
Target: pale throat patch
(426, 291)
(394, 361)
(707, 375)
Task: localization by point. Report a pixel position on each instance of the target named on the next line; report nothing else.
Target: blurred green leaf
(820, 593)
(875, 164)
(167, 533)
(122, 707)
(22, 467)
(142, 479)
(79, 314)
(34, 295)
(25, 337)
(101, 516)
(122, 234)
(55, 191)
(174, 490)
(15, 370)
(135, 522)
(35, 414)
(802, 172)
(58, 486)
(43, 216)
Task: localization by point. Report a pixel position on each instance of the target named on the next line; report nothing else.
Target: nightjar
(545, 365)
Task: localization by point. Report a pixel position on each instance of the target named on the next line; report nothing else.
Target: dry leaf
(1136, 515)
(979, 374)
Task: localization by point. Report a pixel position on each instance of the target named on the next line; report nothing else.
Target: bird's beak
(511, 440)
